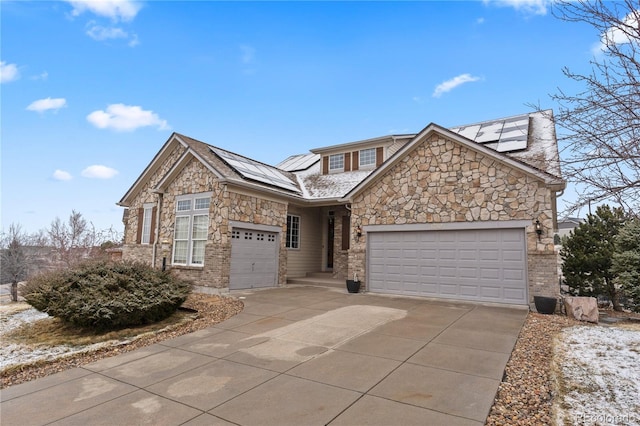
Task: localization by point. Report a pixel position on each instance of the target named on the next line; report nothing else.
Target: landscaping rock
(582, 308)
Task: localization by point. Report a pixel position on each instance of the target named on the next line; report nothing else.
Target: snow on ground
(598, 371)
(15, 354)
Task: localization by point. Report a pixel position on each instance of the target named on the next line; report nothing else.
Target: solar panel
(502, 135)
(298, 162)
(257, 171)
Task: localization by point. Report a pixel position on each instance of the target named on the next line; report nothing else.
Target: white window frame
(190, 244)
(146, 223)
(293, 232)
(371, 160)
(336, 163)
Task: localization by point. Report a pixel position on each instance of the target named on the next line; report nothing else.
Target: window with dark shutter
(325, 165)
(347, 162)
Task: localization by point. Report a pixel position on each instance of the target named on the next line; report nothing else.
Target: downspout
(554, 207)
(157, 230)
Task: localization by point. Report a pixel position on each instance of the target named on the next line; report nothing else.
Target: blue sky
(90, 90)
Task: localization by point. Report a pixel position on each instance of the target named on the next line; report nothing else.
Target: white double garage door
(487, 265)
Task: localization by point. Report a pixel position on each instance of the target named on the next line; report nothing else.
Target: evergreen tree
(587, 255)
(626, 263)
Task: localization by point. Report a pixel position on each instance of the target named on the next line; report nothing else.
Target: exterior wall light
(539, 229)
(358, 231)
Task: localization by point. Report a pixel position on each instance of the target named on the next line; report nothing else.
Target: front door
(330, 230)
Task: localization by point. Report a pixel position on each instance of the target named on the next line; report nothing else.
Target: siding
(309, 257)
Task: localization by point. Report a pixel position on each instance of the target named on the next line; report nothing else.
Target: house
(568, 224)
(465, 213)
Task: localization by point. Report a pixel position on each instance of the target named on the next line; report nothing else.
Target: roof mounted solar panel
(253, 170)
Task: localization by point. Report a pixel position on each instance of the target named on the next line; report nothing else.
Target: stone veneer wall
(442, 181)
(340, 256)
(225, 206)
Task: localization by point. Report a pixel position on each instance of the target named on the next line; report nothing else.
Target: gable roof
(229, 167)
(526, 142)
(537, 171)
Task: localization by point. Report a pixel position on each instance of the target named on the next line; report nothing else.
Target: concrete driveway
(295, 356)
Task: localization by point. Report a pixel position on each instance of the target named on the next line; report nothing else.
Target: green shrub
(107, 295)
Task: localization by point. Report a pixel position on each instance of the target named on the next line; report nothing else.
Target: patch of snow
(334, 185)
(600, 374)
(13, 321)
(16, 354)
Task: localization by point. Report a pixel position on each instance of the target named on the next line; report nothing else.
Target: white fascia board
(357, 144)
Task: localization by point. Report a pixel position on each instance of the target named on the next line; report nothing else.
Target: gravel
(525, 395)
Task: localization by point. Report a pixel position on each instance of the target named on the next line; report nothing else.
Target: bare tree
(74, 239)
(15, 261)
(601, 122)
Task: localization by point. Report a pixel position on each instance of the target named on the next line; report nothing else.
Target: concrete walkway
(295, 356)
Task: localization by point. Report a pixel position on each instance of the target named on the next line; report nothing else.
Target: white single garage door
(254, 259)
(487, 265)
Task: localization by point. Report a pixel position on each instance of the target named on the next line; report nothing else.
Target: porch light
(538, 229)
(358, 231)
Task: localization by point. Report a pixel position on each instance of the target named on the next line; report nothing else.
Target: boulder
(582, 308)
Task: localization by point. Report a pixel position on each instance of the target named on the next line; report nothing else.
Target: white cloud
(62, 175)
(99, 172)
(616, 35)
(100, 33)
(531, 7)
(42, 105)
(8, 72)
(117, 10)
(42, 76)
(122, 117)
(449, 85)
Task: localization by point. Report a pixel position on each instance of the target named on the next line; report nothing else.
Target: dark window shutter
(379, 156)
(140, 219)
(325, 165)
(347, 161)
(356, 162)
(152, 237)
(346, 231)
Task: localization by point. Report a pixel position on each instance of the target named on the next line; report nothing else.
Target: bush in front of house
(107, 295)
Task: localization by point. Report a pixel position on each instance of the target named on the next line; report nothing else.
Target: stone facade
(438, 181)
(443, 181)
(225, 206)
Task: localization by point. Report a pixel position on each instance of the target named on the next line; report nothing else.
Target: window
(191, 230)
(293, 231)
(367, 157)
(336, 162)
(147, 218)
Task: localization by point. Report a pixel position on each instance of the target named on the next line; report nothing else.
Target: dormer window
(336, 163)
(367, 157)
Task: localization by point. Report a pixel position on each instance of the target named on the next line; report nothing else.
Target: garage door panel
(254, 259)
(482, 265)
(468, 290)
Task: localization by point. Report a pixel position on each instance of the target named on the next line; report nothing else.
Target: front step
(320, 279)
